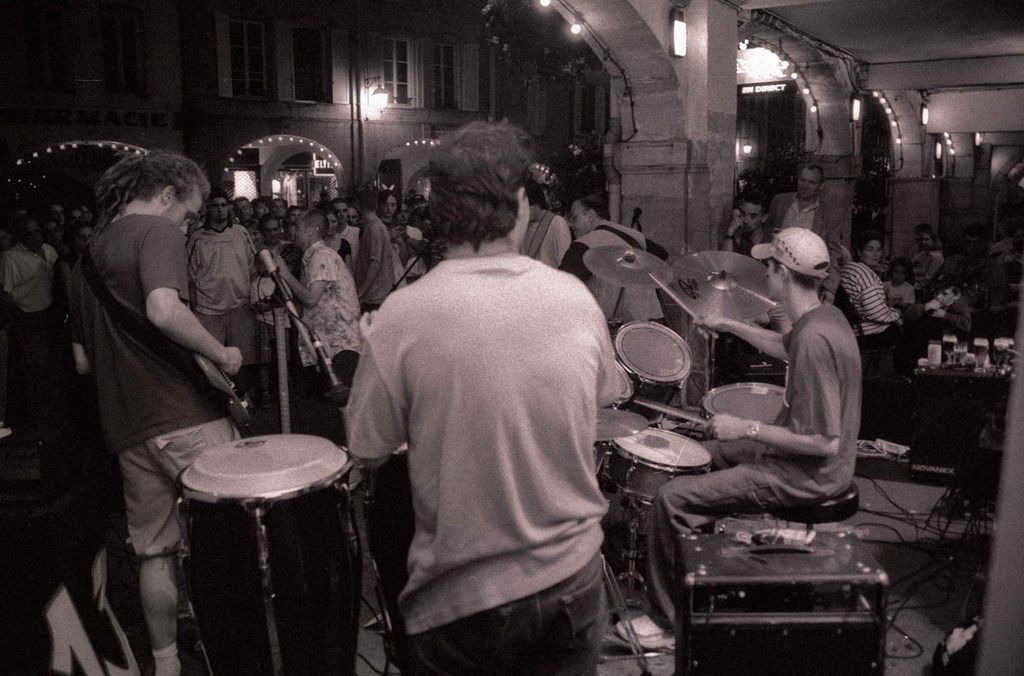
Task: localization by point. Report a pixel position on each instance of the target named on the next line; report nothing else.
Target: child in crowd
(899, 290)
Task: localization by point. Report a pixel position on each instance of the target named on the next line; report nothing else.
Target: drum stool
(837, 508)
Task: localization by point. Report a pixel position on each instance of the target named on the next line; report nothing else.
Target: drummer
(807, 458)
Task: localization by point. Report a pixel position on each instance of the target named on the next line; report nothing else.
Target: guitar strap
(143, 332)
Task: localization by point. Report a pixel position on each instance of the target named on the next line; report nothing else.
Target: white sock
(166, 660)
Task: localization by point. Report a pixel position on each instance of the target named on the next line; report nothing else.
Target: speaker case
(950, 409)
(749, 610)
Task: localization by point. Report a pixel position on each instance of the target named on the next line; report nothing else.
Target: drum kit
(270, 548)
(634, 459)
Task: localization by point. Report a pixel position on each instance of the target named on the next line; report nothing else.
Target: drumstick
(680, 302)
(672, 411)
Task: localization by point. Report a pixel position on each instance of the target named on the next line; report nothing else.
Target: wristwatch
(754, 429)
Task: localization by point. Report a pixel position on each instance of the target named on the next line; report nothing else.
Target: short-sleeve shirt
(491, 368)
(823, 392)
(221, 266)
(335, 317)
(140, 395)
(375, 245)
(28, 276)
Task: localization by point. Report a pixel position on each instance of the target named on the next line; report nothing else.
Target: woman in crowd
(927, 259)
(878, 327)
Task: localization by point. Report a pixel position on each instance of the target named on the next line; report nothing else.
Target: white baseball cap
(798, 249)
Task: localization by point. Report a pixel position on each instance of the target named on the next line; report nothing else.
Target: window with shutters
(248, 59)
(397, 71)
(47, 39)
(309, 53)
(444, 76)
(121, 40)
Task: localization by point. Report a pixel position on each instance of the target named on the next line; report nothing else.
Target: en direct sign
(764, 88)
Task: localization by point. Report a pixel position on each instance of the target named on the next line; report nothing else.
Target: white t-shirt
(492, 368)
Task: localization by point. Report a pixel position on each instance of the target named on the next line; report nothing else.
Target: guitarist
(155, 416)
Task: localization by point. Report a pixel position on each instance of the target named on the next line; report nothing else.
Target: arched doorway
(299, 169)
(64, 172)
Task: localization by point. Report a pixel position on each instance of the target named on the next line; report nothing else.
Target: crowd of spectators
(896, 306)
(340, 257)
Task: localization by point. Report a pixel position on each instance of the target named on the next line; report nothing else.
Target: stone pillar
(680, 167)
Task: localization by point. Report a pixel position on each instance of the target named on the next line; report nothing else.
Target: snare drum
(655, 357)
(640, 464)
(271, 555)
(752, 401)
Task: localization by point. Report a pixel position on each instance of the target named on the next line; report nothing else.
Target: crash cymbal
(721, 284)
(627, 266)
(612, 424)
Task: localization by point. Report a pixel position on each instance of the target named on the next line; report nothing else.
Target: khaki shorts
(235, 329)
(149, 471)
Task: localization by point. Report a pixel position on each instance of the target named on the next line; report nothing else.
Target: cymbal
(627, 266)
(612, 424)
(722, 284)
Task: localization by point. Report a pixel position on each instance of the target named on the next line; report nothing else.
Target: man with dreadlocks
(154, 415)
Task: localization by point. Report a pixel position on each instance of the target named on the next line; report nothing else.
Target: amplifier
(951, 409)
(767, 610)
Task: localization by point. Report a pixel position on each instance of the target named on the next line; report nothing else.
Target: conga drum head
(266, 467)
(654, 353)
(664, 449)
(753, 401)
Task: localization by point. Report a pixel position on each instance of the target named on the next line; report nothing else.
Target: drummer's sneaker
(650, 634)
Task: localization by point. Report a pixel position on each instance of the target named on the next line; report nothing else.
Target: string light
(577, 25)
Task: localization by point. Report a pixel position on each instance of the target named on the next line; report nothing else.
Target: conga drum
(272, 556)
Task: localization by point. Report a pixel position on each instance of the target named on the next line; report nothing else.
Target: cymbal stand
(711, 335)
(632, 576)
(619, 609)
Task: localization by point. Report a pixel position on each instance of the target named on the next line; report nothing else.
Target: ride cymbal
(627, 266)
(722, 284)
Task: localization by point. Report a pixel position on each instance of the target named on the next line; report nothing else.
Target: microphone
(336, 391)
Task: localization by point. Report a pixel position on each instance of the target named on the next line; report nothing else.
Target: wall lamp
(378, 95)
(678, 23)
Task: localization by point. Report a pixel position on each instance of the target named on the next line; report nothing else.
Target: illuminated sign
(764, 88)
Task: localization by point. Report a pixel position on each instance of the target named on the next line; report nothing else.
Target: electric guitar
(234, 398)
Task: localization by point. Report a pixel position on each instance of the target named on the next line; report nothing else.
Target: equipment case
(766, 610)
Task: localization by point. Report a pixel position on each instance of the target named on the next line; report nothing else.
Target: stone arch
(274, 149)
(48, 173)
(624, 29)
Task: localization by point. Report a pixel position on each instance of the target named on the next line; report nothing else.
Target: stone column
(680, 167)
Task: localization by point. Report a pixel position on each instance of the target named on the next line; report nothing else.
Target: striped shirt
(864, 287)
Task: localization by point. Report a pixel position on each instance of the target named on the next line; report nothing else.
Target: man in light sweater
(492, 367)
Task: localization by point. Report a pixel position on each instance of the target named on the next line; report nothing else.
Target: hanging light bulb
(794, 75)
(938, 150)
(893, 123)
(806, 91)
(876, 94)
(814, 107)
(924, 114)
(545, 3)
(952, 150)
(784, 64)
(747, 148)
(577, 25)
(978, 138)
(899, 141)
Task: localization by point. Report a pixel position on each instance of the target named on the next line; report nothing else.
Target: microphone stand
(335, 390)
